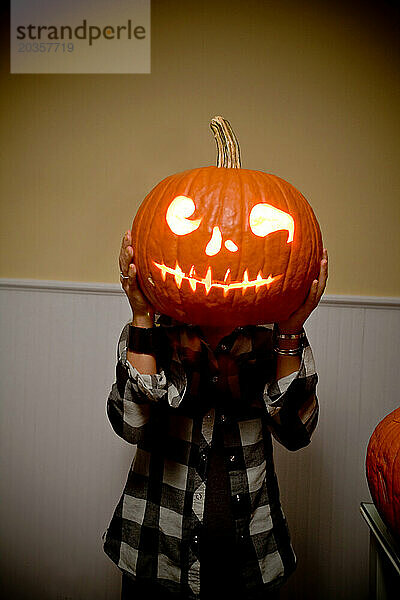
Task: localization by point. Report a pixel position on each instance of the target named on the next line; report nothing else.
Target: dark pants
(134, 590)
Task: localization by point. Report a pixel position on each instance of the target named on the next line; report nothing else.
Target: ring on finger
(122, 276)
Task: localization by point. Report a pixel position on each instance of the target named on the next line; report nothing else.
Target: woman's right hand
(139, 304)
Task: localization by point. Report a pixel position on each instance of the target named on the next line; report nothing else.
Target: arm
(291, 399)
(142, 311)
(134, 395)
(140, 383)
(287, 364)
(292, 404)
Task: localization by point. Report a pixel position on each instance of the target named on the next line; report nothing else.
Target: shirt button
(232, 458)
(223, 419)
(195, 539)
(215, 379)
(223, 347)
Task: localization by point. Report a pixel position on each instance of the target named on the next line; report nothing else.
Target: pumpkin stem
(228, 151)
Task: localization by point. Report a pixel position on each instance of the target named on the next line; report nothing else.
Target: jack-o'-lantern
(226, 246)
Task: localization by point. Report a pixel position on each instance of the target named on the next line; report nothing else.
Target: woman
(200, 513)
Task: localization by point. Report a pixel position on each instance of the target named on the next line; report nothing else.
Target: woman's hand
(139, 304)
(297, 319)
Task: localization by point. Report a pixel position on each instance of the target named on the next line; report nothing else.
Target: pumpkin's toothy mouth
(226, 285)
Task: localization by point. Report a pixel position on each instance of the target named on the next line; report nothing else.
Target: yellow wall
(311, 90)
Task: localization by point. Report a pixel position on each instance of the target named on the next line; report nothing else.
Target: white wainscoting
(63, 467)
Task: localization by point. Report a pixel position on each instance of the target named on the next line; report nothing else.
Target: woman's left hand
(297, 319)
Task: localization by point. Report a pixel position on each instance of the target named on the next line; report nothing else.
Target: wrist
(288, 344)
(287, 330)
(143, 319)
(289, 341)
(144, 340)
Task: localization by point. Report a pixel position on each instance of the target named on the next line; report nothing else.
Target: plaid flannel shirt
(170, 416)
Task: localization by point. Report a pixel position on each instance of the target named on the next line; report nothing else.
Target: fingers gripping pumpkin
(224, 245)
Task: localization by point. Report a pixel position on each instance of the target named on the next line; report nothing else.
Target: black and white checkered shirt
(156, 530)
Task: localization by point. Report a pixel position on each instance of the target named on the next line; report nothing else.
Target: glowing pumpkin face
(226, 246)
(263, 220)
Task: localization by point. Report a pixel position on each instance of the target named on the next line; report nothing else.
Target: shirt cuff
(150, 387)
(275, 392)
(153, 387)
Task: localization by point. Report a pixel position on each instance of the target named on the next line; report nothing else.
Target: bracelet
(143, 340)
(288, 352)
(290, 336)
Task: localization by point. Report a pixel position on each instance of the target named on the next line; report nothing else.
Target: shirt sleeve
(292, 404)
(134, 395)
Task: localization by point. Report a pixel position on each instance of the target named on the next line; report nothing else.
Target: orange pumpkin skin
(197, 291)
(383, 469)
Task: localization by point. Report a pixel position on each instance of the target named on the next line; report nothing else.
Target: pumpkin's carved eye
(178, 213)
(265, 219)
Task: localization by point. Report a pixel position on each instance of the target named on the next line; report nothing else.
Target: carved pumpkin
(226, 246)
(383, 469)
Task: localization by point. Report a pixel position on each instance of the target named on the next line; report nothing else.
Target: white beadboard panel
(322, 485)
(63, 467)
